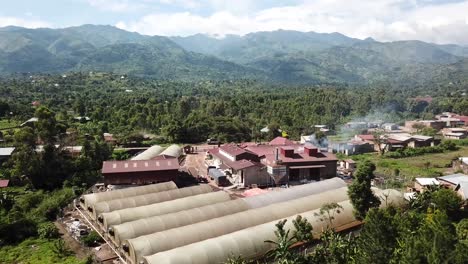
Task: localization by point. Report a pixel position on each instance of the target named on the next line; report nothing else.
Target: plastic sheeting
(295, 192)
(148, 154)
(151, 198)
(91, 199)
(160, 223)
(173, 151)
(131, 214)
(177, 237)
(250, 243)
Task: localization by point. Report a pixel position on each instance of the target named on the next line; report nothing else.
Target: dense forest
(232, 111)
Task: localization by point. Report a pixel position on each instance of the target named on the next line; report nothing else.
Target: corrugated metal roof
(232, 149)
(4, 183)
(427, 181)
(6, 151)
(454, 178)
(139, 165)
(242, 164)
(281, 141)
(463, 188)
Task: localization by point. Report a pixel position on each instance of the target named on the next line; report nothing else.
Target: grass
(5, 124)
(405, 170)
(35, 251)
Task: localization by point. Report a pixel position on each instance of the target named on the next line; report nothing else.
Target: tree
(4, 108)
(60, 249)
(327, 213)
(302, 230)
(46, 125)
(273, 131)
(418, 127)
(47, 230)
(360, 192)
(334, 249)
(92, 239)
(378, 238)
(282, 244)
(433, 242)
(381, 140)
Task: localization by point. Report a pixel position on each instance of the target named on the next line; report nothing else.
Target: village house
(296, 162)
(461, 164)
(240, 166)
(457, 182)
(451, 181)
(5, 153)
(452, 119)
(435, 124)
(455, 133)
(392, 142)
(421, 184)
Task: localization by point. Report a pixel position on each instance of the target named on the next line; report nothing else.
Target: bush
(17, 231)
(92, 239)
(47, 230)
(447, 145)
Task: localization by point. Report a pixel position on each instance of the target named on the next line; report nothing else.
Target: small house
(420, 184)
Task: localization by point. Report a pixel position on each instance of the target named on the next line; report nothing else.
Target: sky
(437, 21)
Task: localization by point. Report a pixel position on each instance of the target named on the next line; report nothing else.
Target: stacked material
(148, 154)
(250, 242)
(89, 200)
(146, 199)
(178, 237)
(146, 226)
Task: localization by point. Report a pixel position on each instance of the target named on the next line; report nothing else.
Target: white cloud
(117, 5)
(20, 22)
(384, 19)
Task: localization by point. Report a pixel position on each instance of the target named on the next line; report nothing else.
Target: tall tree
(378, 238)
(360, 192)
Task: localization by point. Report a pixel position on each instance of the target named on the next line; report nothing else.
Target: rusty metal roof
(139, 165)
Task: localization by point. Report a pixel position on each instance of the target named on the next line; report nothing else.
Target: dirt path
(80, 251)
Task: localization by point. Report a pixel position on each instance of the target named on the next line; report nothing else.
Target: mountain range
(279, 56)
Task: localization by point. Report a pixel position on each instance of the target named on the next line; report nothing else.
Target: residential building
(5, 153)
(461, 164)
(4, 183)
(435, 124)
(279, 162)
(455, 133)
(452, 180)
(348, 164)
(391, 142)
(421, 184)
(296, 162)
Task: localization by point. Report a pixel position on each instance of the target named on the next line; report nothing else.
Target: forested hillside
(289, 57)
(232, 111)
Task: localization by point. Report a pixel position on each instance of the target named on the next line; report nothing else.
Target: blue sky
(440, 21)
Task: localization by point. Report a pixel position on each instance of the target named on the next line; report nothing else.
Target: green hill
(279, 56)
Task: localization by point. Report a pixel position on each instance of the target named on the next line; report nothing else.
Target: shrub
(47, 230)
(92, 239)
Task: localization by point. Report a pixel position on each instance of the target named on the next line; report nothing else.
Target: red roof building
(140, 171)
(281, 141)
(4, 183)
(292, 162)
